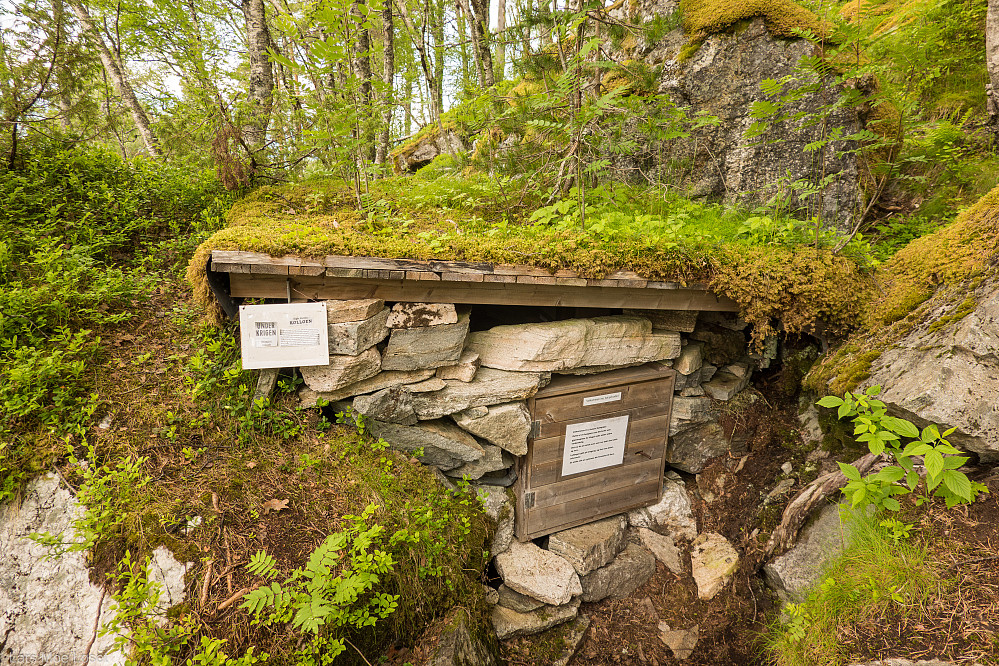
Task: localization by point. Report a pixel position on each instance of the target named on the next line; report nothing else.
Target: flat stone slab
(589, 547)
(419, 315)
(631, 569)
(382, 380)
(517, 601)
(573, 343)
(493, 460)
(713, 561)
(490, 387)
(663, 548)
(538, 573)
(425, 347)
(793, 574)
(342, 371)
(669, 320)
(353, 310)
(506, 425)
(392, 405)
(509, 623)
(691, 449)
(688, 412)
(464, 370)
(680, 641)
(725, 385)
(353, 337)
(444, 444)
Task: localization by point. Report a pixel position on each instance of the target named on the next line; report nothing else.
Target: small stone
(354, 337)
(342, 371)
(781, 489)
(708, 371)
(425, 347)
(680, 641)
(787, 468)
(740, 368)
(444, 445)
(691, 449)
(631, 569)
(690, 358)
(464, 370)
(672, 513)
(589, 547)
(663, 548)
(492, 460)
(713, 561)
(427, 386)
(418, 315)
(725, 385)
(393, 405)
(538, 573)
(490, 594)
(490, 387)
(353, 310)
(506, 425)
(509, 623)
(498, 507)
(692, 392)
(516, 601)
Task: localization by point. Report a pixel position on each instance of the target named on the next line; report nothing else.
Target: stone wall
(426, 382)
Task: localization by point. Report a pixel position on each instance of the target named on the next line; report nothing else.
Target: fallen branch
(235, 597)
(797, 512)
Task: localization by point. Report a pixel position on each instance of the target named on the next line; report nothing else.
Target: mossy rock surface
(942, 268)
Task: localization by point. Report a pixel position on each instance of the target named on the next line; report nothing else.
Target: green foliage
(880, 574)
(332, 592)
(881, 433)
(138, 624)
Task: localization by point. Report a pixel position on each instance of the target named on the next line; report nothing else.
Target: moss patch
(933, 272)
(783, 18)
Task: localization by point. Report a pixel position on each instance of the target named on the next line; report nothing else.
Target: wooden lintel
(256, 285)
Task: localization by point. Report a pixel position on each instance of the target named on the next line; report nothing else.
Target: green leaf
(957, 483)
(891, 504)
(830, 401)
(934, 463)
(900, 426)
(873, 390)
(890, 474)
(849, 471)
(844, 410)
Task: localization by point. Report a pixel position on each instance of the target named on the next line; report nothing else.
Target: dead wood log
(797, 512)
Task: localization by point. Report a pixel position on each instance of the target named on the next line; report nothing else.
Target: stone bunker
(571, 415)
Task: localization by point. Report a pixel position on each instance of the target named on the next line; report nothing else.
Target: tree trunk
(478, 15)
(361, 64)
(261, 84)
(500, 40)
(388, 80)
(992, 58)
(425, 63)
(119, 79)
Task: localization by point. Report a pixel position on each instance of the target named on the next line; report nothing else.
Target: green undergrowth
(935, 274)
(883, 575)
(768, 264)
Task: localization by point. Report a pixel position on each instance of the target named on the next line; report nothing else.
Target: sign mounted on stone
(283, 335)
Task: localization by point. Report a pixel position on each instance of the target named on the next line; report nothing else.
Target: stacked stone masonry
(426, 383)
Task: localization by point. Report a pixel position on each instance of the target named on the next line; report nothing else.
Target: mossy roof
(935, 272)
(801, 286)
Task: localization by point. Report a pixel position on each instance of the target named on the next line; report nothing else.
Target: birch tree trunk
(992, 58)
(388, 80)
(478, 15)
(500, 40)
(119, 79)
(425, 63)
(260, 87)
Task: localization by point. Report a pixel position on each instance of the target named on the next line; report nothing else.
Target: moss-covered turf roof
(801, 286)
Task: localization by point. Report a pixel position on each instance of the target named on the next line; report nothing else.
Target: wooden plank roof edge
(230, 261)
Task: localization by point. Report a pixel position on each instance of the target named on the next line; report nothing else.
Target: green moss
(933, 272)
(783, 18)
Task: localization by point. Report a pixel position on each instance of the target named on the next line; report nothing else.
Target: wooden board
(258, 285)
(547, 501)
(255, 275)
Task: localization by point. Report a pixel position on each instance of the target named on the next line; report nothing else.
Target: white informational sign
(594, 445)
(601, 399)
(285, 335)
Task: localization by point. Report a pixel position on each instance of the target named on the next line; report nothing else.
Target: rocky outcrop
(422, 150)
(463, 641)
(722, 78)
(947, 372)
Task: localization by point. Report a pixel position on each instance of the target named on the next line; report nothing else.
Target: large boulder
(946, 371)
(591, 546)
(422, 150)
(538, 573)
(722, 77)
(627, 572)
